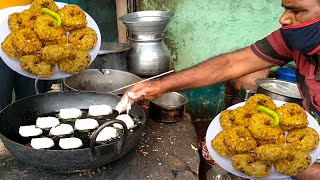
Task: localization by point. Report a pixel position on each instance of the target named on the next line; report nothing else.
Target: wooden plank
(121, 8)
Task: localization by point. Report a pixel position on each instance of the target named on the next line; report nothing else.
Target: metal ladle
(153, 77)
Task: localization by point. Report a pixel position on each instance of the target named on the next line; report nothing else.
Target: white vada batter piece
(86, 124)
(106, 134)
(70, 143)
(126, 119)
(124, 104)
(62, 129)
(47, 122)
(70, 113)
(100, 110)
(42, 143)
(29, 131)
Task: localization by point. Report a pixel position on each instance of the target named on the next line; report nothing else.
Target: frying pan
(95, 80)
(25, 111)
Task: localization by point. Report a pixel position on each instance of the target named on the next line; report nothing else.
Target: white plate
(14, 64)
(214, 128)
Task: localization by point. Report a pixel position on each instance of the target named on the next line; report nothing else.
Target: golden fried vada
(295, 163)
(28, 18)
(63, 40)
(306, 139)
(260, 100)
(272, 152)
(83, 39)
(280, 141)
(243, 115)
(219, 145)
(46, 30)
(239, 139)
(26, 41)
(36, 66)
(261, 127)
(15, 22)
(250, 165)
(292, 116)
(72, 17)
(227, 119)
(8, 47)
(239, 116)
(55, 52)
(76, 62)
(37, 5)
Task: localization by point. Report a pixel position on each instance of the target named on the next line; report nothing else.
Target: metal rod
(153, 77)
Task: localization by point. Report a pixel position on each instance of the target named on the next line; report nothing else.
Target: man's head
(299, 11)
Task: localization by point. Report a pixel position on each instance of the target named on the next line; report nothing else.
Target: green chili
(271, 113)
(53, 14)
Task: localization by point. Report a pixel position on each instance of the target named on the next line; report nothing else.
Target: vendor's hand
(145, 90)
(141, 91)
(312, 173)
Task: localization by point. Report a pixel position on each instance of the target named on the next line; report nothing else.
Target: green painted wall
(201, 29)
(104, 12)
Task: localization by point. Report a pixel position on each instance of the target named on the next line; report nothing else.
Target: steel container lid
(281, 87)
(147, 22)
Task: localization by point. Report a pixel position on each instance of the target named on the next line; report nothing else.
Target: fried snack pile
(254, 144)
(40, 43)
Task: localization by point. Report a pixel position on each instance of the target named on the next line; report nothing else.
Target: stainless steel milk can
(148, 54)
(148, 57)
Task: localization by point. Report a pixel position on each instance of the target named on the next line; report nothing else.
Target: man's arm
(215, 70)
(218, 69)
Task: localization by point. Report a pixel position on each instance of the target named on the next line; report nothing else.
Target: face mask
(304, 37)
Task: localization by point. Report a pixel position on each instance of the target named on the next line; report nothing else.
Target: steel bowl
(147, 22)
(279, 90)
(169, 107)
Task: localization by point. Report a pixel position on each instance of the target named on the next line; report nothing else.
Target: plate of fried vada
(48, 40)
(264, 139)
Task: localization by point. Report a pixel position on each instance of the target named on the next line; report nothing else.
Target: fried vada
(26, 41)
(37, 5)
(83, 39)
(285, 144)
(219, 145)
(55, 52)
(292, 116)
(243, 115)
(28, 17)
(250, 165)
(295, 163)
(36, 66)
(63, 40)
(260, 100)
(8, 47)
(15, 22)
(280, 140)
(227, 119)
(306, 139)
(72, 17)
(261, 127)
(46, 30)
(272, 152)
(76, 62)
(239, 140)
